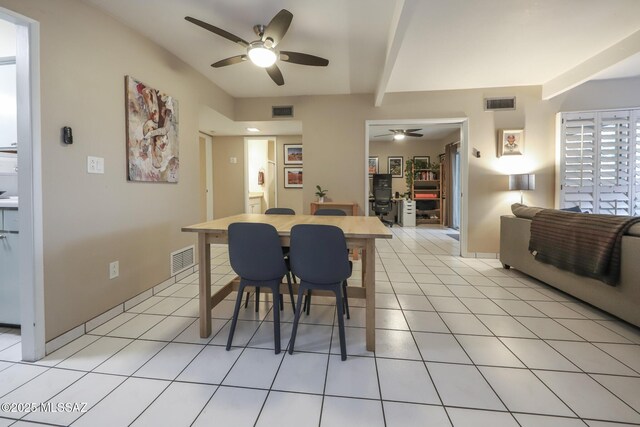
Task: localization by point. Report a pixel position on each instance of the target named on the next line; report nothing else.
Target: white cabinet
(9, 288)
(407, 214)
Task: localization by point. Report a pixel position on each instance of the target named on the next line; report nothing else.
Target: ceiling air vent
(282, 111)
(491, 104)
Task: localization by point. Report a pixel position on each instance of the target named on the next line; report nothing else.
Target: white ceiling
(217, 124)
(382, 46)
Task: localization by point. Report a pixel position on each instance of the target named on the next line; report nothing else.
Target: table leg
(204, 253)
(369, 282)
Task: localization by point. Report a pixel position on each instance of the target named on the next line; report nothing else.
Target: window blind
(600, 162)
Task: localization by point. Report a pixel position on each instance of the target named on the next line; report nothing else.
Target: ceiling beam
(399, 24)
(592, 66)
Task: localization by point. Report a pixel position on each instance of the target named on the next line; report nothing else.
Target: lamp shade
(523, 181)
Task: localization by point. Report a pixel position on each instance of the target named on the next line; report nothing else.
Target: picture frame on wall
(421, 162)
(510, 142)
(292, 177)
(373, 165)
(292, 154)
(395, 166)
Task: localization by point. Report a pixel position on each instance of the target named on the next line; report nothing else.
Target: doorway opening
(424, 161)
(29, 191)
(260, 181)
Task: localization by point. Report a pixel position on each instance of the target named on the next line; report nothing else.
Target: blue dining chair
(280, 211)
(320, 259)
(255, 255)
(330, 212)
(285, 253)
(307, 300)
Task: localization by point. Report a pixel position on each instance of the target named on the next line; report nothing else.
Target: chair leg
(296, 319)
(246, 302)
(307, 303)
(257, 299)
(276, 317)
(281, 302)
(234, 320)
(343, 345)
(293, 304)
(345, 298)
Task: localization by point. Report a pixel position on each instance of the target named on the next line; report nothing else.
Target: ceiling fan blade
(275, 74)
(412, 130)
(219, 31)
(386, 134)
(278, 27)
(413, 134)
(303, 59)
(230, 61)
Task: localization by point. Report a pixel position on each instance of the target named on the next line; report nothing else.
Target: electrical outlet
(114, 269)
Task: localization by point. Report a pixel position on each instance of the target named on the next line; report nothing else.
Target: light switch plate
(95, 164)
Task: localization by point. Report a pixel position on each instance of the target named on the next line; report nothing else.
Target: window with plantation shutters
(600, 162)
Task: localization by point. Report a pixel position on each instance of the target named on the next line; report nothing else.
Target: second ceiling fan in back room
(262, 51)
(400, 134)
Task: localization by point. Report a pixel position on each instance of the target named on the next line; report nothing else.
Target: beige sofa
(622, 300)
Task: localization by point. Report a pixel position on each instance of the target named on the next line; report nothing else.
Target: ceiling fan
(262, 51)
(400, 134)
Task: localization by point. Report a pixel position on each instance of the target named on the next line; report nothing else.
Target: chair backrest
(382, 200)
(319, 254)
(330, 212)
(280, 211)
(255, 252)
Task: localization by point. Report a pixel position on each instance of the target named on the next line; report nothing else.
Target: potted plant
(320, 193)
(435, 169)
(409, 177)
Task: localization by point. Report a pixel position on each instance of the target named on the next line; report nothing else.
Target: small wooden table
(360, 232)
(335, 205)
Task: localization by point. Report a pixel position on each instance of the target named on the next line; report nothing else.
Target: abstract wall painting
(152, 134)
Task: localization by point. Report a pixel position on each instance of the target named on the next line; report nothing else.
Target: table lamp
(522, 182)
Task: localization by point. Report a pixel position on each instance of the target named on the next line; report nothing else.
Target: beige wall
(288, 197)
(334, 134)
(91, 220)
(407, 149)
(228, 178)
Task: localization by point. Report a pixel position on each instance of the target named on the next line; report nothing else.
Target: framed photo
(421, 162)
(396, 167)
(292, 154)
(510, 142)
(292, 177)
(373, 165)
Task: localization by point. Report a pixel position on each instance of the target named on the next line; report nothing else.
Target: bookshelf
(427, 186)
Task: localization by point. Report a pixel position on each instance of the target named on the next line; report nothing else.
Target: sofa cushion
(524, 211)
(528, 212)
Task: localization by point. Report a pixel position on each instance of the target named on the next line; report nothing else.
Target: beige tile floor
(459, 342)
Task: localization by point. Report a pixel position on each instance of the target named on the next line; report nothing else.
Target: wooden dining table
(360, 232)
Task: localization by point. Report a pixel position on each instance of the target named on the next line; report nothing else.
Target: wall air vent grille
(492, 104)
(182, 259)
(282, 111)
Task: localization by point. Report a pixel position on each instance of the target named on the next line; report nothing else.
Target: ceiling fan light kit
(262, 52)
(260, 55)
(398, 136)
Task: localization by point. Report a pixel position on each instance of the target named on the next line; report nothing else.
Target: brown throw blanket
(588, 245)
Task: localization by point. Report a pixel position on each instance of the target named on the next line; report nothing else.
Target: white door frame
(208, 152)
(464, 166)
(31, 266)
